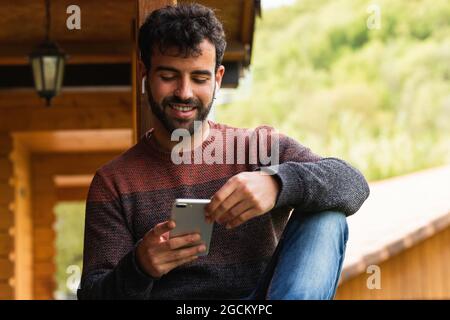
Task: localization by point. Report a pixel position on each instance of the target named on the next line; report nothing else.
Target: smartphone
(189, 217)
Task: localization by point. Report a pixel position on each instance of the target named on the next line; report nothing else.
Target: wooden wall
(6, 217)
(421, 272)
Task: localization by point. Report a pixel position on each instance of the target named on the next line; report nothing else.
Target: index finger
(220, 196)
(162, 228)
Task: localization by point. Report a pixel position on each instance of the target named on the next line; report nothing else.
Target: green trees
(378, 98)
(69, 245)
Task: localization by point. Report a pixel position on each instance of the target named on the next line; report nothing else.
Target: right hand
(157, 254)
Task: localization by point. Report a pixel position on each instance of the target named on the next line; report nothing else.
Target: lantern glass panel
(37, 72)
(60, 75)
(50, 72)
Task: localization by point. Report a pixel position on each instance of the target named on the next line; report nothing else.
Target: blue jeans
(308, 260)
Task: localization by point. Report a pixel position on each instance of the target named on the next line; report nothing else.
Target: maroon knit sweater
(135, 191)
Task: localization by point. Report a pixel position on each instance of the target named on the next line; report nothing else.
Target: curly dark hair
(182, 26)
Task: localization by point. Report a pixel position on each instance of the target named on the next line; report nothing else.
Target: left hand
(243, 197)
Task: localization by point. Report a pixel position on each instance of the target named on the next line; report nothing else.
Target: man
(258, 250)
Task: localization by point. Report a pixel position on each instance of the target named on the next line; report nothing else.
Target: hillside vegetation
(377, 98)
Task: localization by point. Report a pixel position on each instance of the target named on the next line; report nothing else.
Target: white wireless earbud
(143, 84)
(216, 88)
(215, 93)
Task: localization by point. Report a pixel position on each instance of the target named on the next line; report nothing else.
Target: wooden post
(43, 202)
(23, 221)
(7, 264)
(142, 111)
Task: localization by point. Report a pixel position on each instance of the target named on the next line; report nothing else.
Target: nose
(184, 90)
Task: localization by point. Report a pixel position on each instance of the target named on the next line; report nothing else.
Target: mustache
(175, 100)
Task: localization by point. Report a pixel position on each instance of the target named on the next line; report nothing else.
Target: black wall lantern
(47, 62)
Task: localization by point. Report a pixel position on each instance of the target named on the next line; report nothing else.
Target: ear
(142, 69)
(219, 75)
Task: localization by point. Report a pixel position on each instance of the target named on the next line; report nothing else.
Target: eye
(166, 78)
(200, 80)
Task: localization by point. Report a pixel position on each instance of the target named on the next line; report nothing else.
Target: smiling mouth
(182, 112)
(181, 108)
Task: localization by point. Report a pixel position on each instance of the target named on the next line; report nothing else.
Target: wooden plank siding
(7, 217)
(6, 290)
(22, 110)
(421, 272)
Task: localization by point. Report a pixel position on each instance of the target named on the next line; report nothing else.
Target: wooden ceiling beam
(111, 53)
(77, 53)
(235, 52)
(247, 21)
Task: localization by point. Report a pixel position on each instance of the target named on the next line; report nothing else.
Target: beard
(171, 124)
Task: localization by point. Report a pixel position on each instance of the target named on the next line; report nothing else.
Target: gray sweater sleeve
(327, 184)
(310, 183)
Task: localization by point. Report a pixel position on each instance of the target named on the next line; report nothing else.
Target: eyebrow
(196, 72)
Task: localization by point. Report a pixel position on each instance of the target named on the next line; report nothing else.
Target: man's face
(181, 90)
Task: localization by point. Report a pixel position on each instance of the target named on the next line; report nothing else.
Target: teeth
(182, 108)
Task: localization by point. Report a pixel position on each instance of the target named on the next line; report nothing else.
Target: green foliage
(69, 242)
(379, 98)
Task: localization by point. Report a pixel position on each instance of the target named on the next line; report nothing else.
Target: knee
(321, 225)
(311, 258)
(332, 229)
(332, 222)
